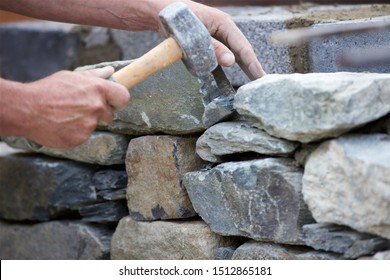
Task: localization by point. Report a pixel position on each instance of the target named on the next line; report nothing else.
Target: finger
(106, 116)
(224, 56)
(232, 36)
(104, 72)
(117, 95)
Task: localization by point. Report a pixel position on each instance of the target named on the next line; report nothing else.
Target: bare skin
(63, 109)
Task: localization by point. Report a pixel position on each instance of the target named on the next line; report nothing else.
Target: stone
(325, 54)
(168, 102)
(105, 212)
(346, 182)
(315, 106)
(229, 138)
(56, 240)
(25, 45)
(166, 240)
(253, 250)
(102, 148)
(220, 109)
(156, 166)
(259, 199)
(343, 240)
(37, 188)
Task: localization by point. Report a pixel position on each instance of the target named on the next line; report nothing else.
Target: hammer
(189, 40)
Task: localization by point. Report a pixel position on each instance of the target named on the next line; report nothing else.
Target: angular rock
(167, 102)
(259, 199)
(54, 241)
(240, 137)
(346, 182)
(156, 166)
(105, 212)
(102, 148)
(220, 109)
(267, 251)
(36, 188)
(165, 240)
(310, 107)
(343, 240)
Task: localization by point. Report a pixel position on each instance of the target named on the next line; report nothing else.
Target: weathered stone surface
(260, 199)
(220, 109)
(343, 240)
(165, 240)
(167, 102)
(346, 181)
(39, 188)
(252, 250)
(156, 166)
(240, 137)
(105, 212)
(385, 255)
(325, 54)
(310, 107)
(102, 148)
(54, 241)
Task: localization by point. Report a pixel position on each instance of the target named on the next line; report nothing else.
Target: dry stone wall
(300, 171)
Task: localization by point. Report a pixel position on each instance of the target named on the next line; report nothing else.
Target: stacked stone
(300, 173)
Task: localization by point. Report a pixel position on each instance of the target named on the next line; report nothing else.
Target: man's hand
(62, 110)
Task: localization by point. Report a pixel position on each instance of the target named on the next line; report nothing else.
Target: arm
(143, 15)
(61, 110)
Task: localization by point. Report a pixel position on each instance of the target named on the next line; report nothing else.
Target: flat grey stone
(229, 138)
(343, 240)
(259, 199)
(102, 148)
(57, 240)
(252, 250)
(36, 188)
(311, 107)
(346, 182)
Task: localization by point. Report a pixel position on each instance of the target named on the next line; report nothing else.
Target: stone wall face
(299, 171)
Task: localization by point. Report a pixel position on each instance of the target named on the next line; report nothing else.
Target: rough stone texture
(310, 107)
(51, 48)
(165, 240)
(325, 54)
(260, 199)
(343, 240)
(346, 181)
(240, 137)
(39, 188)
(102, 148)
(167, 102)
(54, 241)
(267, 251)
(155, 167)
(385, 255)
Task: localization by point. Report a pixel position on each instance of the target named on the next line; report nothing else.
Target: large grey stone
(167, 102)
(325, 54)
(346, 181)
(240, 137)
(267, 251)
(165, 240)
(310, 107)
(102, 148)
(156, 166)
(34, 188)
(63, 240)
(260, 199)
(343, 240)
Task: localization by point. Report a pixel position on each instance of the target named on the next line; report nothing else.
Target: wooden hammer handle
(160, 57)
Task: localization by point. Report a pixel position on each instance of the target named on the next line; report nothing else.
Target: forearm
(120, 14)
(14, 108)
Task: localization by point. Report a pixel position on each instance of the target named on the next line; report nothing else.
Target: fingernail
(227, 59)
(256, 71)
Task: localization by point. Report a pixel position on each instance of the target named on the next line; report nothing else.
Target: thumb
(225, 57)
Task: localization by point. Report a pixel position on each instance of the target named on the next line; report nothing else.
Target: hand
(67, 106)
(229, 42)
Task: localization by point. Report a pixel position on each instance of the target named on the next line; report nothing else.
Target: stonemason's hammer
(190, 41)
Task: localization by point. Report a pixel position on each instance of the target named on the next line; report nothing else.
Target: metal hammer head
(192, 36)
